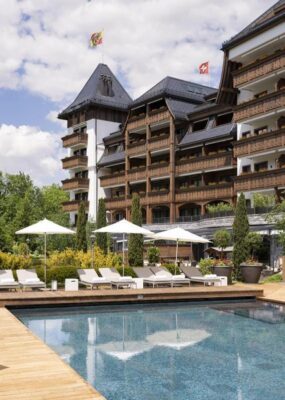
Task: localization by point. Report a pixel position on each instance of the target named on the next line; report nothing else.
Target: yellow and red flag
(204, 68)
(96, 39)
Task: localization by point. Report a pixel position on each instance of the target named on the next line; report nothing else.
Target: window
(199, 125)
(262, 166)
(260, 131)
(246, 134)
(246, 169)
(224, 119)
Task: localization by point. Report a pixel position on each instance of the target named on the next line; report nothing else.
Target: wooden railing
(205, 193)
(205, 162)
(260, 106)
(74, 162)
(117, 203)
(137, 174)
(73, 205)
(136, 148)
(259, 69)
(113, 180)
(158, 197)
(75, 139)
(141, 120)
(161, 169)
(75, 183)
(159, 142)
(158, 116)
(256, 144)
(260, 180)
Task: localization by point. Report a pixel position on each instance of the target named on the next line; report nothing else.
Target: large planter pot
(224, 271)
(251, 272)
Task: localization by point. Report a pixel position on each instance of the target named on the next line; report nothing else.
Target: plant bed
(251, 272)
(224, 270)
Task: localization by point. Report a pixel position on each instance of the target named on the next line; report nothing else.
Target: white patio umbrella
(45, 227)
(179, 338)
(179, 235)
(124, 227)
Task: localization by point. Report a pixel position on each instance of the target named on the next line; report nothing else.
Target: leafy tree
(153, 254)
(263, 200)
(222, 239)
(135, 245)
(101, 238)
(254, 242)
(81, 242)
(240, 230)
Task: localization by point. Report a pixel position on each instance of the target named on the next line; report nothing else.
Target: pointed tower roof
(273, 15)
(102, 89)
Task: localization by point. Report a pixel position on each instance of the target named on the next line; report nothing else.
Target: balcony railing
(260, 143)
(158, 170)
(205, 193)
(143, 119)
(158, 116)
(75, 139)
(159, 142)
(206, 162)
(268, 179)
(117, 203)
(259, 69)
(136, 148)
(74, 162)
(113, 180)
(137, 173)
(73, 205)
(75, 184)
(158, 197)
(260, 106)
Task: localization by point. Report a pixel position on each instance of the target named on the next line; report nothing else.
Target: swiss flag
(204, 68)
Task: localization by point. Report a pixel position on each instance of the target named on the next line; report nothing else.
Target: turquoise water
(170, 352)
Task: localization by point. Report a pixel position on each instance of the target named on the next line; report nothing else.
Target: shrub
(254, 242)
(263, 200)
(153, 255)
(222, 239)
(81, 240)
(171, 268)
(128, 271)
(58, 274)
(101, 238)
(206, 265)
(219, 208)
(273, 278)
(240, 230)
(12, 261)
(135, 242)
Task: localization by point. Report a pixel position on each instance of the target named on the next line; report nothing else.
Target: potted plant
(223, 267)
(251, 268)
(153, 255)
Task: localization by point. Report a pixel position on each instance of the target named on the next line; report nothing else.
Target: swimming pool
(182, 351)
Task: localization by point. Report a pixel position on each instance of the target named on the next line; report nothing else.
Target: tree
(153, 254)
(81, 242)
(135, 244)
(277, 216)
(222, 239)
(240, 230)
(254, 242)
(101, 238)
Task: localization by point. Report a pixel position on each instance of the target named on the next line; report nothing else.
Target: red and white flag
(204, 68)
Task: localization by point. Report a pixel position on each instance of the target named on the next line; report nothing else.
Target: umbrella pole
(176, 258)
(123, 254)
(45, 258)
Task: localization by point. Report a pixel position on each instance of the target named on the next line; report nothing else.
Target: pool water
(227, 351)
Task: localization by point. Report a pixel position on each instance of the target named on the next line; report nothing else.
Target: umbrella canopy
(45, 227)
(124, 350)
(178, 338)
(125, 227)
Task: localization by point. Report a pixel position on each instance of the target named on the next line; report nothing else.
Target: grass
(273, 279)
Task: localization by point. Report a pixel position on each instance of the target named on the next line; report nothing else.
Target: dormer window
(106, 86)
(224, 119)
(199, 125)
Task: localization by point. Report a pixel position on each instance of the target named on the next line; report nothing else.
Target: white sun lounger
(89, 278)
(195, 275)
(28, 278)
(7, 280)
(116, 279)
(177, 280)
(150, 279)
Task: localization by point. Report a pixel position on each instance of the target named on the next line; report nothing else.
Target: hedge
(12, 261)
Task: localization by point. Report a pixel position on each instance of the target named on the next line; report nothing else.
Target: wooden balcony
(158, 143)
(116, 203)
(136, 148)
(259, 69)
(259, 107)
(136, 122)
(210, 162)
(260, 143)
(74, 162)
(143, 119)
(260, 180)
(73, 205)
(113, 180)
(158, 170)
(75, 184)
(157, 197)
(158, 116)
(75, 139)
(137, 174)
(205, 193)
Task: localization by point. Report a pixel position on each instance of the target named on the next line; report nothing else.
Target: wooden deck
(101, 296)
(29, 370)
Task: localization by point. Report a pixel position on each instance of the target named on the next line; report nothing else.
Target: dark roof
(179, 109)
(208, 134)
(273, 14)
(94, 92)
(111, 158)
(177, 88)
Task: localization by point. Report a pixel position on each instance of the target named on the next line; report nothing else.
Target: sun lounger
(7, 280)
(195, 275)
(28, 278)
(116, 279)
(90, 278)
(150, 279)
(177, 280)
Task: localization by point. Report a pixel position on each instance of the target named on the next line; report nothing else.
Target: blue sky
(45, 60)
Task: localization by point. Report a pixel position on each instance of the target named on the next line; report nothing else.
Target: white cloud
(47, 40)
(52, 116)
(30, 150)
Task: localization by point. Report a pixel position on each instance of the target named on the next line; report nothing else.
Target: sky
(45, 60)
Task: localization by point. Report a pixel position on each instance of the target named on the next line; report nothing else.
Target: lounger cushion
(7, 280)
(181, 276)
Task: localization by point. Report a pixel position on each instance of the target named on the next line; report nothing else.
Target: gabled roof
(177, 88)
(208, 134)
(273, 14)
(102, 89)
